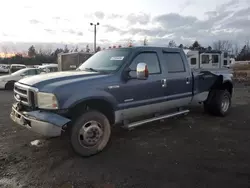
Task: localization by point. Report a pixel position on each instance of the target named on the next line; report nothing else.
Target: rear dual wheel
(219, 104)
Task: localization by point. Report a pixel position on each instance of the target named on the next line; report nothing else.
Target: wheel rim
(225, 103)
(90, 134)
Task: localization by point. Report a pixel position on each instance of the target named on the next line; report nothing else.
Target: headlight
(46, 101)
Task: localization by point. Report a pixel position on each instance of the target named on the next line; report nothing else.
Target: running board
(138, 123)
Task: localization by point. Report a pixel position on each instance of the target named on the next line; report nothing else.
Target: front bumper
(45, 123)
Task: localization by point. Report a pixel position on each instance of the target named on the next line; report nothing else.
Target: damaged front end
(25, 112)
(45, 123)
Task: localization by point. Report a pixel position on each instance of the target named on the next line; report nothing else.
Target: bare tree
(222, 45)
(130, 42)
(45, 52)
(235, 49)
(98, 49)
(145, 41)
(32, 51)
(87, 49)
(5, 51)
(171, 44)
(14, 49)
(247, 43)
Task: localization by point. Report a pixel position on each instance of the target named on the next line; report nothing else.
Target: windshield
(105, 61)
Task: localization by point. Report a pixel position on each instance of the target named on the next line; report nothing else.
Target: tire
(207, 104)
(219, 104)
(207, 108)
(81, 143)
(9, 85)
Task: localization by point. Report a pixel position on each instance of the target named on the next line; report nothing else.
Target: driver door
(140, 97)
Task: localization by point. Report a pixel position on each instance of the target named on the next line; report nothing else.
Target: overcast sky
(59, 21)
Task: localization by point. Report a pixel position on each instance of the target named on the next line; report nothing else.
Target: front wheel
(90, 133)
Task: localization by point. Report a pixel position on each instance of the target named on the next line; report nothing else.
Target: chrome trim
(136, 124)
(38, 126)
(21, 94)
(27, 89)
(23, 102)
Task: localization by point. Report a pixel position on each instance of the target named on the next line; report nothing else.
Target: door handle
(187, 80)
(164, 83)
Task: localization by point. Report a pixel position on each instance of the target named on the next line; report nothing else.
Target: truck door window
(205, 59)
(193, 61)
(174, 62)
(150, 58)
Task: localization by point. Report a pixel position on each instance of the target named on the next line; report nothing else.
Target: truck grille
(24, 94)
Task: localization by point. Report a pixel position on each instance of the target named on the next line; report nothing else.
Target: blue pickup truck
(125, 87)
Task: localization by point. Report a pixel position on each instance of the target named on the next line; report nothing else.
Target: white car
(4, 69)
(7, 81)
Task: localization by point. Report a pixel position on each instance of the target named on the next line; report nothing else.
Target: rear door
(178, 90)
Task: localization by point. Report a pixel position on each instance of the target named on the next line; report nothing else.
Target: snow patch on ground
(37, 143)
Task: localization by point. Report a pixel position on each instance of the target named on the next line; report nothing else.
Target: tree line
(38, 57)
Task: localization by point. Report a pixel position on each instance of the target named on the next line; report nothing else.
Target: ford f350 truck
(125, 87)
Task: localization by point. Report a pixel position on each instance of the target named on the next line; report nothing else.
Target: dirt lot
(192, 151)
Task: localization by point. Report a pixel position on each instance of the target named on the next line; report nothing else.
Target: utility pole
(93, 24)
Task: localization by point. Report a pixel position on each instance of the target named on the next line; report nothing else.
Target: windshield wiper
(91, 69)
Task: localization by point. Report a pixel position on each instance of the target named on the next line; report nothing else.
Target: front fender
(77, 98)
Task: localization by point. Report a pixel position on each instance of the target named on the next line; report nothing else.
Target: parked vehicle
(72, 60)
(4, 68)
(123, 86)
(207, 59)
(7, 81)
(16, 67)
(48, 68)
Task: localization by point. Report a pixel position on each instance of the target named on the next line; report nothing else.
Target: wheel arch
(100, 104)
(223, 84)
(10, 82)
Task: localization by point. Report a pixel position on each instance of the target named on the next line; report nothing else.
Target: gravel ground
(197, 150)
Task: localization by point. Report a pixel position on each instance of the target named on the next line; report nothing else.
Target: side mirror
(22, 74)
(142, 71)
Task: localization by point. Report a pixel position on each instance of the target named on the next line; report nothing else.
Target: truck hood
(58, 77)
